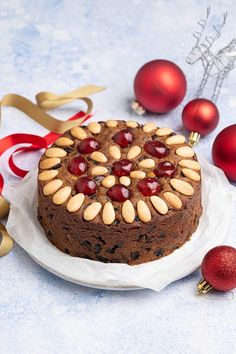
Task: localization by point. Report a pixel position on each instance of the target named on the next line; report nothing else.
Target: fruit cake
(118, 191)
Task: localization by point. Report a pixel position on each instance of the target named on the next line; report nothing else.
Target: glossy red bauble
(224, 151)
(219, 268)
(149, 186)
(78, 165)
(159, 86)
(85, 185)
(122, 167)
(118, 193)
(156, 148)
(200, 115)
(88, 145)
(123, 138)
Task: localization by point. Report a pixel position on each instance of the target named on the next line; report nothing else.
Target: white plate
(214, 226)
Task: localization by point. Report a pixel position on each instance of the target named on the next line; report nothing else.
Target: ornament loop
(194, 138)
(203, 287)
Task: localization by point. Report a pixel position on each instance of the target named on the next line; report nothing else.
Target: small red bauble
(224, 151)
(219, 268)
(200, 115)
(159, 86)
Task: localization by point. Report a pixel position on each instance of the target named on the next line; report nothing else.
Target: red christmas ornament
(200, 116)
(159, 86)
(218, 270)
(224, 151)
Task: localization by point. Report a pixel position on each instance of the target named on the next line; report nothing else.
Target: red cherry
(149, 186)
(77, 165)
(122, 167)
(119, 193)
(165, 169)
(123, 138)
(88, 146)
(156, 148)
(86, 186)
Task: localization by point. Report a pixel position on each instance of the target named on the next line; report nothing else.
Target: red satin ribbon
(37, 142)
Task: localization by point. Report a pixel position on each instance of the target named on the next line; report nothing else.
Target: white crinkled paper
(23, 226)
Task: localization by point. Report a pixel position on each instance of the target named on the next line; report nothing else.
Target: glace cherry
(165, 169)
(123, 138)
(88, 146)
(156, 148)
(149, 186)
(122, 167)
(78, 165)
(85, 185)
(119, 193)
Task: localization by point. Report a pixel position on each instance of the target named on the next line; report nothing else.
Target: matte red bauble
(200, 115)
(218, 269)
(224, 151)
(159, 86)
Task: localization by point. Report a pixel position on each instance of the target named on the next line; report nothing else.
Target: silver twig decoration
(216, 64)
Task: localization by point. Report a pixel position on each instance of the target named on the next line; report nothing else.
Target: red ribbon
(37, 142)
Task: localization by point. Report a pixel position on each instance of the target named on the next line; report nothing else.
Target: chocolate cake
(118, 191)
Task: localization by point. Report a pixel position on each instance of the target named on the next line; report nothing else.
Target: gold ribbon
(45, 101)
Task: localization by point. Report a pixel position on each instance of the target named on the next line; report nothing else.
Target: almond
(78, 133)
(114, 151)
(55, 152)
(75, 203)
(192, 164)
(99, 171)
(184, 151)
(111, 123)
(131, 124)
(47, 175)
(147, 163)
(191, 174)
(52, 187)
(143, 211)
(92, 211)
(108, 214)
(46, 164)
(138, 174)
(133, 152)
(128, 212)
(159, 204)
(63, 141)
(94, 127)
(175, 140)
(62, 195)
(173, 200)
(108, 181)
(125, 181)
(149, 127)
(98, 156)
(164, 131)
(182, 187)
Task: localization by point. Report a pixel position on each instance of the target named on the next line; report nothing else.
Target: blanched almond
(147, 163)
(108, 181)
(128, 212)
(98, 156)
(182, 187)
(143, 211)
(111, 123)
(173, 200)
(52, 187)
(99, 171)
(192, 164)
(133, 152)
(149, 127)
(78, 133)
(131, 124)
(55, 152)
(62, 195)
(94, 127)
(184, 151)
(47, 175)
(108, 214)
(92, 211)
(63, 141)
(164, 131)
(114, 151)
(138, 174)
(75, 203)
(49, 163)
(175, 140)
(191, 174)
(125, 181)
(159, 204)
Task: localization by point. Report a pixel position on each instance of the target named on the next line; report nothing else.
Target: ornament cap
(203, 287)
(194, 138)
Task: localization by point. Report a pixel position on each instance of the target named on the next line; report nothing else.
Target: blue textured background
(59, 45)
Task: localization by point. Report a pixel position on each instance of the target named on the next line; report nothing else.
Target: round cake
(119, 192)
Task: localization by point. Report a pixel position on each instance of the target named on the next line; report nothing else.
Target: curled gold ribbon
(44, 101)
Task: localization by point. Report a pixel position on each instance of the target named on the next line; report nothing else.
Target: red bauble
(159, 86)
(201, 116)
(224, 151)
(219, 268)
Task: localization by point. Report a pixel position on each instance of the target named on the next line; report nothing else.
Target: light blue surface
(59, 45)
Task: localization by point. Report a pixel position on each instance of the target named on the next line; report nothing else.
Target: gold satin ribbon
(45, 101)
